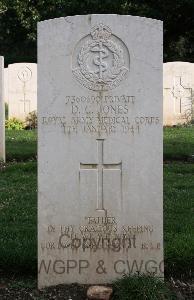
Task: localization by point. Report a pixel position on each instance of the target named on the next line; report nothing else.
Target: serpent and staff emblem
(98, 60)
(101, 60)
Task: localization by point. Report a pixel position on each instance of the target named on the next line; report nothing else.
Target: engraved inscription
(100, 60)
(100, 234)
(100, 116)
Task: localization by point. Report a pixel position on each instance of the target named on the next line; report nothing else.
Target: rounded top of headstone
(178, 62)
(22, 63)
(70, 19)
(173, 66)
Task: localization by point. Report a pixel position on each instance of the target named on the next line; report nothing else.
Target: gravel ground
(60, 292)
(17, 290)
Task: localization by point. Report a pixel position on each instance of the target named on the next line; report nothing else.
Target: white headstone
(100, 148)
(6, 85)
(178, 78)
(2, 111)
(22, 89)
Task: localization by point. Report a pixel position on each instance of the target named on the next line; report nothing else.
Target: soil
(60, 292)
(12, 289)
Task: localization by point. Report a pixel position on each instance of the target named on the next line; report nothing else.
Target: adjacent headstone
(100, 148)
(2, 111)
(6, 85)
(22, 89)
(178, 94)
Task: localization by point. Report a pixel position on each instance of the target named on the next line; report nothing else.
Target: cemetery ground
(18, 236)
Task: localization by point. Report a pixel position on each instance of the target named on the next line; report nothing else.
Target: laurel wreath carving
(82, 59)
(112, 73)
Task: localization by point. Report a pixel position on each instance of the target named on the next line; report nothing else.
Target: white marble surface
(2, 111)
(99, 148)
(22, 89)
(178, 92)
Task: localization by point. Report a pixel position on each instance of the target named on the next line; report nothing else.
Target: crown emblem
(101, 32)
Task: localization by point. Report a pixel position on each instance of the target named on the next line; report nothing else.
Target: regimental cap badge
(100, 60)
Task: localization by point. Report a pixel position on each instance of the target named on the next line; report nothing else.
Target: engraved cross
(179, 92)
(100, 166)
(25, 101)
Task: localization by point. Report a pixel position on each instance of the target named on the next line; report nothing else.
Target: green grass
(18, 209)
(21, 145)
(18, 202)
(179, 143)
(179, 219)
(141, 287)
